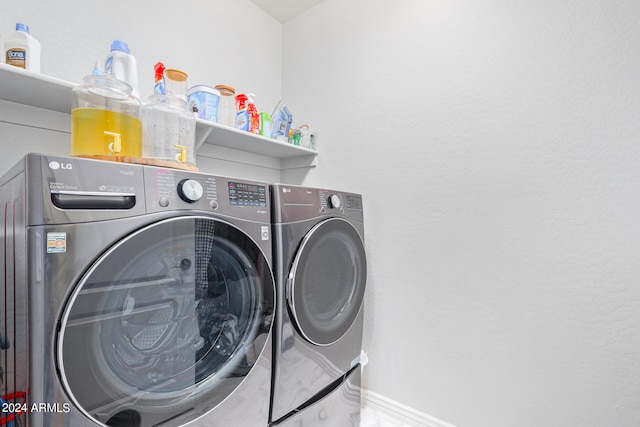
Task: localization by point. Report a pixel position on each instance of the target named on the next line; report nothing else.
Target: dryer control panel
(297, 203)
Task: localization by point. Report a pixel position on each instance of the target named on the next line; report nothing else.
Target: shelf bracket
(202, 133)
(307, 161)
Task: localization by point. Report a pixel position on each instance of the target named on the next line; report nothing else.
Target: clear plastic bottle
(122, 65)
(22, 49)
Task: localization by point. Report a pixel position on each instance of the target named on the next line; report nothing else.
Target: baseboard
(399, 411)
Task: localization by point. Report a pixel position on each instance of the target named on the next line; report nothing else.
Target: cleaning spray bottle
(158, 87)
(254, 116)
(242, 116)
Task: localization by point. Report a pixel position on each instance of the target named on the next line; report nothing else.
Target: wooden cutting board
(144, 161)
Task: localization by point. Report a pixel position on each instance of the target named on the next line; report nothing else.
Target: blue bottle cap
(120, 46)
(22, 27)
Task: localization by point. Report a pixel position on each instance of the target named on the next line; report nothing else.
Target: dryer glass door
(167, 322)
(327, 280)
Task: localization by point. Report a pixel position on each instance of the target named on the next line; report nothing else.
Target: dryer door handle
(289, 289)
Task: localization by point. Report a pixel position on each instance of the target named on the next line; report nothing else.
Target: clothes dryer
(321, 271)
(134, 296)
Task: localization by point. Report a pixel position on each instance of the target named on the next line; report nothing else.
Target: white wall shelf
(35, 89)
(41, 91)
(291, 156)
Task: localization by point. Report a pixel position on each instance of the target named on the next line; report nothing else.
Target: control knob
(334, 201)
(190, 190)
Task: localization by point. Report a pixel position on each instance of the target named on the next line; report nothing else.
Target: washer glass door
(166, 322)
(327, 280)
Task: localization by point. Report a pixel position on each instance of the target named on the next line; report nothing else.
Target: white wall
(496, 145)
(216, 42)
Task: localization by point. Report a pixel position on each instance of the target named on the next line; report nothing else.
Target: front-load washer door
(327, 280)
(166, 323)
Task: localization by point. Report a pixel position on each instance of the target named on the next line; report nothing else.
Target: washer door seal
(327, 281)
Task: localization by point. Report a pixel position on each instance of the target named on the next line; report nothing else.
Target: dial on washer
(190, 190)
(334, 201)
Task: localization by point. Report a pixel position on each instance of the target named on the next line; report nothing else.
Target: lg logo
(55, 165)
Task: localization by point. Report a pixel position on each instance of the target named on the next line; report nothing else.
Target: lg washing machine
(320, 269)
(134, 296)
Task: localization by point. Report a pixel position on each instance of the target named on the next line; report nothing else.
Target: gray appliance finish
(320, 269)
(134, 296)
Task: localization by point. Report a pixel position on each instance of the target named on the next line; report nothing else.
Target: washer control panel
(80, 190)
(171, 189)
(247, 194)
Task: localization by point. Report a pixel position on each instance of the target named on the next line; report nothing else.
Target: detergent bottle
(22, 49)
(122, 65)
